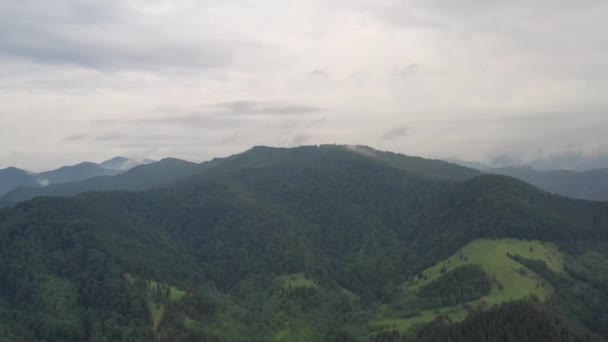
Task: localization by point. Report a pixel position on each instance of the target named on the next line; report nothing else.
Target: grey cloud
(74, 138)
(395, 133)
(318, 73)
(104, 35)
(265, 108)
(218, 115)
(520, 139)
(409, 70)
(109, 76)
(300, 139)
(209, 120)
(110, 137)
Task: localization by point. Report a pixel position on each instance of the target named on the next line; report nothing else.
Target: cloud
(105, 35)
(318, 73)
(265, 108)
(110, 137)
(300, 139)
(395, 133)
(74, 137)
(91, 79)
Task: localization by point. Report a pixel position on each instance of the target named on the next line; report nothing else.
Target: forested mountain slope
(12, 178)
(164, 173)
(513, 322)
(142, 177)
(311, 243)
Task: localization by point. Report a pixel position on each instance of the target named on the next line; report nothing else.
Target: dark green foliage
(355, 224)
(515, 321)
(460, 285)
(582, 294)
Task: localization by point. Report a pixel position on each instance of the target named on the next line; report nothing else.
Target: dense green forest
(303, 244)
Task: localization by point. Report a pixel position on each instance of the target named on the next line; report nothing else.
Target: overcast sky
(472, 79)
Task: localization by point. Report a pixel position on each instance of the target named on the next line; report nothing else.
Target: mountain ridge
(310, 243)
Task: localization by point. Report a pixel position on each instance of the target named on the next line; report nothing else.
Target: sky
(477, 80)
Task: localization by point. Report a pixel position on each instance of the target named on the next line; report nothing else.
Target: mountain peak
(122, 163)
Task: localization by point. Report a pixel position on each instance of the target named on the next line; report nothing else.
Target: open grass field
(512, 280)
(296, 280)
(157, 309)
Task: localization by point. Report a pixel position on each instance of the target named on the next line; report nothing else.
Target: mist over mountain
(565, 161)
(571, 161)
(296, 185)
(141, 177)
(13, 178)
(123, 164)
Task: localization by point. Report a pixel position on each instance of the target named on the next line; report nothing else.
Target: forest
(314, 243)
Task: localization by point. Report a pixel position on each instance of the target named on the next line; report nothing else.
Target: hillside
(311, 243)
(440, 291)
(74, 173)
(142, 177)
(589, 185)
(518, 321)
(159, 174)
(11, 178)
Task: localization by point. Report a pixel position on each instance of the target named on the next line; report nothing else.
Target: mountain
(11, 178)
(571, 161)
(154, 175)
(470, 164)
(123, 164)
(417, 165)
(566, 161)
(316, 243)
(590, 185)
(73, 173)
(142, 177)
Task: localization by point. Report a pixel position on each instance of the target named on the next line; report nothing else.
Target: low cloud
(74, 138)
(91, 79)
(265, 108)
(106, 35)
(395, 133)
(300, 139)
(110, 137)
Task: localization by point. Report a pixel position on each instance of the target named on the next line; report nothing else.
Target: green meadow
(510, 279)
(156, 307)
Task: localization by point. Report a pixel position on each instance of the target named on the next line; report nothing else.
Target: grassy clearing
(512, 280)
(517, 281)
(457, 313)
(155, 307)
(296, 280)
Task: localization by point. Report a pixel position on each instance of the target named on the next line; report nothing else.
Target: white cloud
(465, 78)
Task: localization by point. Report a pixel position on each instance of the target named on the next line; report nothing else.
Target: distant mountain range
(141, 177)
(12, 178)
(565, 161)
(589, 185)
(569, 175)
(168, 171)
